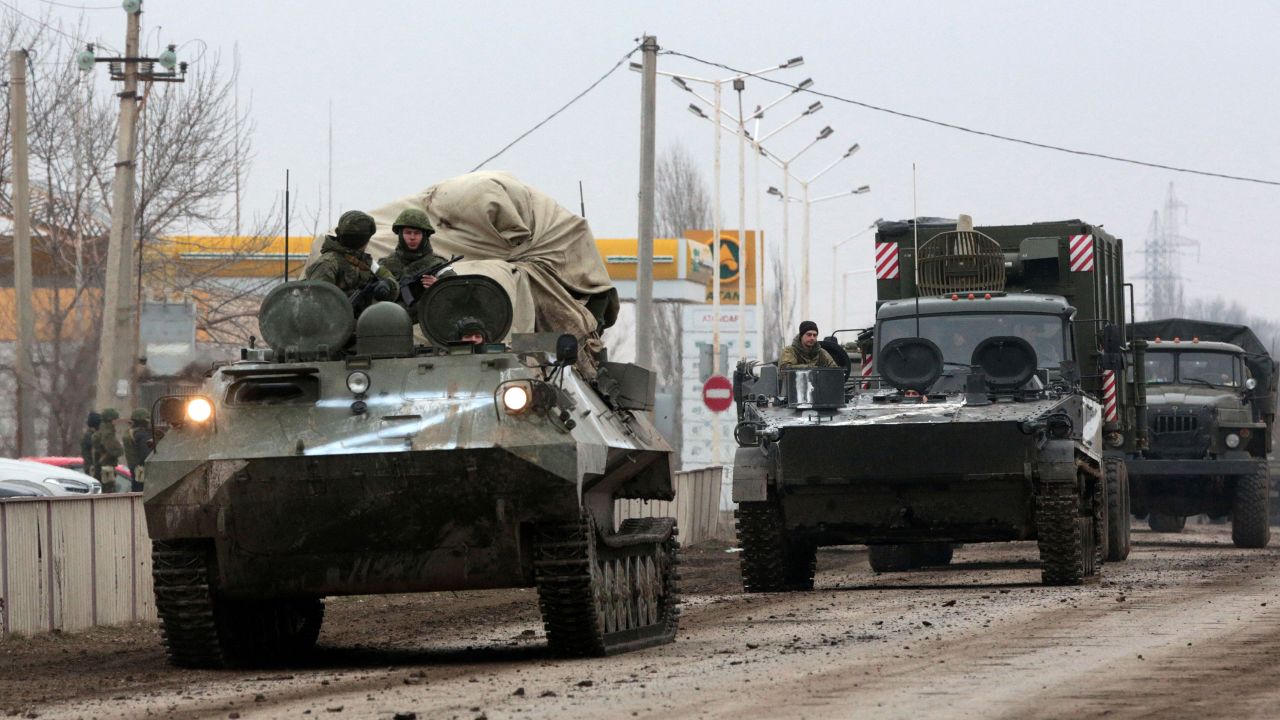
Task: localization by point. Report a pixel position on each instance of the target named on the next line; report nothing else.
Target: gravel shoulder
(1189, 626)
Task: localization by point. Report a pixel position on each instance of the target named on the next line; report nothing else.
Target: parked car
(124, 478)
(23, 488)
(60, 479)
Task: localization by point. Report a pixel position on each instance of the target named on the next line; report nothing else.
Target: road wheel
(890, 558)
(1162, 523)
(1250, 509)
(1065, 536)
(933, 554)
(771, 560)
(600, 596)
(1117, 510)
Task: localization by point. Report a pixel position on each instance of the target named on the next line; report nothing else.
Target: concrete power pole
(644, 248)
(22, 282)
(117, 352)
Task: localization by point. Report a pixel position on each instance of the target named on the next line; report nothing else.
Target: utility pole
(116, 353)
(22, 282)
(118, 345)
(644, 248)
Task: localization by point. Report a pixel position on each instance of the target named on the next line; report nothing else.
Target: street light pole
(835, 250)
(738, 86)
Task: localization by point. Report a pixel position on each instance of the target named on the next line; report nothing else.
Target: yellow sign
(732, 262)
(673, 259)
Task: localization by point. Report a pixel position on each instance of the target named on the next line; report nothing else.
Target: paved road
(1188, 627)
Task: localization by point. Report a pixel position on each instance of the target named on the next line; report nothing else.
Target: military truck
(1000, 412)
(1211, 399)
(344, 458)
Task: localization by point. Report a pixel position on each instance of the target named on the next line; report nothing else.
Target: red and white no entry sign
(717, 393)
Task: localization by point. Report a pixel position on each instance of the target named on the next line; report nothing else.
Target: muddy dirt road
(1188, 627)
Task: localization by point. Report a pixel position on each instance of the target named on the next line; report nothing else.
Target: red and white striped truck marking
(866, 372)
(1081, 253)
(886, 261)
(1110, 410)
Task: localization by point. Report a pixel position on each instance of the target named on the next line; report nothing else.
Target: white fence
(73, 562)
(696, 507)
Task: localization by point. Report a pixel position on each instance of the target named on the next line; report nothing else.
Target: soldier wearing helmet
(92, 423)
(344, 262)
(413, 256)
(107, 450)
(137, 445)
(471, 330)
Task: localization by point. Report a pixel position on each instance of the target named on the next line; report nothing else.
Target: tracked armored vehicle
(995, 411)
(1211, 397)
(344, 458)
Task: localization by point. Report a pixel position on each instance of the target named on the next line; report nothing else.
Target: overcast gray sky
(425, 90)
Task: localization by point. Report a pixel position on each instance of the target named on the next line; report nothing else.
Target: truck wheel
(1250, 509)
(1117, 510)
(890, 558)
(203, 630)
(1163, 523)
(1068, 552)
(771, 560)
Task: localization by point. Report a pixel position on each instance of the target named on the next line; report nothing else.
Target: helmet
(468, 325)
(110, 414)
(356, 224)
(94, 420)
(412, 218)
(140, 415)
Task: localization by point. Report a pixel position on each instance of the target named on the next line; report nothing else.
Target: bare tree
(683, 202)
(192, 145)
(777, 326)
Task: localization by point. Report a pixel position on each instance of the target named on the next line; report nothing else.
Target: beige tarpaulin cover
(544, 255)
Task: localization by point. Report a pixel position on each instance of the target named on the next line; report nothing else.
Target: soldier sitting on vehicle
(344, 262)
(413, 255)
(804, 351)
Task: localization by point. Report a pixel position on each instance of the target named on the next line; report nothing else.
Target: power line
(80, 7)
(564, 107)
(43, 24)
(974, 131)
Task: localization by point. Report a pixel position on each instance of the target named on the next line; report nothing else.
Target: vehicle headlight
(199, 409)
(516, 397)
(358, 382)
(1233, 441)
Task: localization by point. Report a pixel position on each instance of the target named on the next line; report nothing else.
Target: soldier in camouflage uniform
(344, 262)
(413, 255)
(137, 446)
(107, 450)
(804, 351)
(92, 423)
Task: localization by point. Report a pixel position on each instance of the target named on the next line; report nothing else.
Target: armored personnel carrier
(1211, 397)
(995, 411)
(347, 458)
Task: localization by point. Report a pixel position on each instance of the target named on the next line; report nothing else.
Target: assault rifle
(411, 285)
(373, 291)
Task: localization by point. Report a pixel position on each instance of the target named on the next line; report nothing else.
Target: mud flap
(750, 475)
(1057, 462)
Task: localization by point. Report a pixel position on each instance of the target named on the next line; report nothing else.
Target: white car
(60, 480)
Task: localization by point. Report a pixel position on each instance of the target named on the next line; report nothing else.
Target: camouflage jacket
(797, 355)
(136, 446)
(86, 450)
(406, 263)
(349, 269)
(106, 446)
